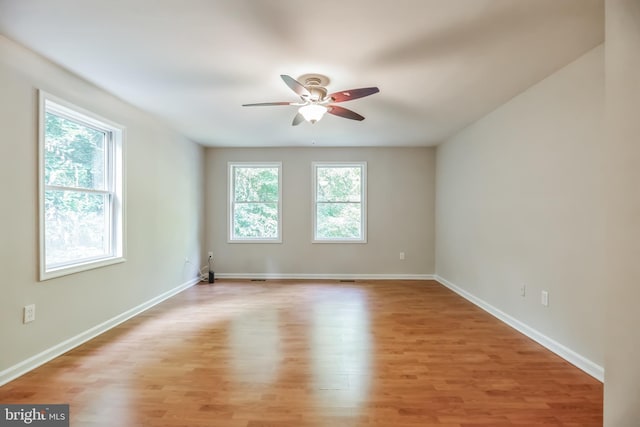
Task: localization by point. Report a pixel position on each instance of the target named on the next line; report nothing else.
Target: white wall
(164, 211)
(622, 382)
(400, 215)
(519, 201)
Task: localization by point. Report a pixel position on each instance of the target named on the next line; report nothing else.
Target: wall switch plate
(402, 255)
(523, 290)
(544, 298)
(29, 313)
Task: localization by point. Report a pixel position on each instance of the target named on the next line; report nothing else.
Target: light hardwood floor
(302, 353)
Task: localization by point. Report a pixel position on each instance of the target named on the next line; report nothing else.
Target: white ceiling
(439, 64)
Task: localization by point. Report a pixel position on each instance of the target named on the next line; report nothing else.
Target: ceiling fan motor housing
(315, 84)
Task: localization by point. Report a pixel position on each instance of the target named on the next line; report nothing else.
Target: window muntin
(339, 211)
(81, 190)
(255, 202)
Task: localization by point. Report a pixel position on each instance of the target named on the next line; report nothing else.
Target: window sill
(77, 268)
(255, 241)
(340, 241)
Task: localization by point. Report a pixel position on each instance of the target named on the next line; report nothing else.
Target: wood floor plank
(314, 353)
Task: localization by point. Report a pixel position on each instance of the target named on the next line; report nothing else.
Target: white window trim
(118, 229)
(231, 201)
(314, 201)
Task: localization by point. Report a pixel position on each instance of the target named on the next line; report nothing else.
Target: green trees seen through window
(74, 168)
(339, 204)
(255, 203)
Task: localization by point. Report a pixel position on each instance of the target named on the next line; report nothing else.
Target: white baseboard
(566, 353)
(33, 362)
(295, 276)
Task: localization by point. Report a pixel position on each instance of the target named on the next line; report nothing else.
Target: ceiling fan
(314, 99)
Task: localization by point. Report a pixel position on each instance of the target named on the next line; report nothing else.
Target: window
(255, 202)
(81, 189)
(340, 202)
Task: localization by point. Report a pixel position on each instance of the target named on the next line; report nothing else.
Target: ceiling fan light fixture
(313, 95)
(312, 112)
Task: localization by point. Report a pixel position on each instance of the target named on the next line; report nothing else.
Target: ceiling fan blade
(297, 120)
(295, 85)
(343, 112)
(265, 104)
(348, 95)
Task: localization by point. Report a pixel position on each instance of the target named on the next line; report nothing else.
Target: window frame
(363, 201)
(231, 166)
(114, 187)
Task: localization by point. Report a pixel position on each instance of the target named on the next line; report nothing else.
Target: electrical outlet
(29, 313)
(544, 298)
(211, 255)
(523, 290)
(402, 255)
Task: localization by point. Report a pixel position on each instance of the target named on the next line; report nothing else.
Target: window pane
(339, 221)
(255, 220)
(76, 226)
(338, 184)
(74, 154)
(255, 184)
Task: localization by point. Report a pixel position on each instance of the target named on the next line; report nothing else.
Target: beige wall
(519, 201)
(164, 212)
(400, 215)
(622, 382)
